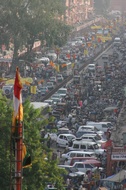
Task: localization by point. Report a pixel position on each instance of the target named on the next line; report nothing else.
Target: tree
(22, 22)
(5, 126)
(42, 170)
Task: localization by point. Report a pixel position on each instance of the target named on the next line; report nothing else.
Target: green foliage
(5, 123)
(23, 22)
(43, 169)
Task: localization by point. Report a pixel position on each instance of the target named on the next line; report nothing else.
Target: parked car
(63, 140)
(88, 165)
(82, 159)
(86, 145)
(71, 154)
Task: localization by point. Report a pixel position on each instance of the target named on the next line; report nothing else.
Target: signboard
(118, 156)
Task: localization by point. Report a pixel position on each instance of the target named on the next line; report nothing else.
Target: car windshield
(55, 99)
(49, 83)
(95, 146)
(91, 66)
(61, 91)
(70, 138)
(97, 138)
(56, 96)
(52, 78)
(72, 170)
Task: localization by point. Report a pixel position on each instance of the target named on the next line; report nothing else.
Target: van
(90, 128)
(71, 154)
(85, 145)
(89, 165)
(99, 125)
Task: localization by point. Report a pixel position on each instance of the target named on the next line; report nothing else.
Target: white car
(62, 92)
(50, 85)
(91, 67)
(63, 140)
(85, 166)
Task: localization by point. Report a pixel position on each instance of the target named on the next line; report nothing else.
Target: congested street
(87, 116)
(79, 90)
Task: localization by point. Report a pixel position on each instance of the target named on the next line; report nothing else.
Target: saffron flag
(17, 101)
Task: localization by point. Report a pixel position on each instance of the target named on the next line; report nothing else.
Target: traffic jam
(82, 84)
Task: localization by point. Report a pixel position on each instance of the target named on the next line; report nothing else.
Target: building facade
(78, 11)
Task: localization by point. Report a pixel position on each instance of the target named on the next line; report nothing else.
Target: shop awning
(119, 177)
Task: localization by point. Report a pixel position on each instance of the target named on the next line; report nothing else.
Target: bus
(42, 105)
(66, 68)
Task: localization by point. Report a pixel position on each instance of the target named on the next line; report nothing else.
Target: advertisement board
(118, 156)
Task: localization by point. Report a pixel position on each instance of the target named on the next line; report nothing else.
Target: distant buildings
(78, 11)
(119, 5)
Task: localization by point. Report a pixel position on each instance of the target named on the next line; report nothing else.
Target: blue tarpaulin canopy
(119, 177)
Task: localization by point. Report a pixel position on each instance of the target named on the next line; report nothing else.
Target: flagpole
(19, 156)
(18, 142)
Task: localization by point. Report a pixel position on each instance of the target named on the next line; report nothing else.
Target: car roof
(62, 88)
(88, 134)
(91, 158)
(67, 134)
(91, 161)
(83, 152)
(83, 141)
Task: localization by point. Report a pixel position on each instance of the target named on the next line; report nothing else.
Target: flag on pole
(26, 158)
(17, 101)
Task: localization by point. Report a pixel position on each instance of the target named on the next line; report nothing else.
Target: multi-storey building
(78, 10)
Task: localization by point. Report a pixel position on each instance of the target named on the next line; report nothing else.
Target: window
(97, 137)
(76, 146)
(88, 166)
(83, 146)
(79, 155)
(87, 155)
(104, 126)
(72, 155)
(61, 136)
(65, 138)
(79, 166)
(95, 146)
(90, 147)
(85, 137)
